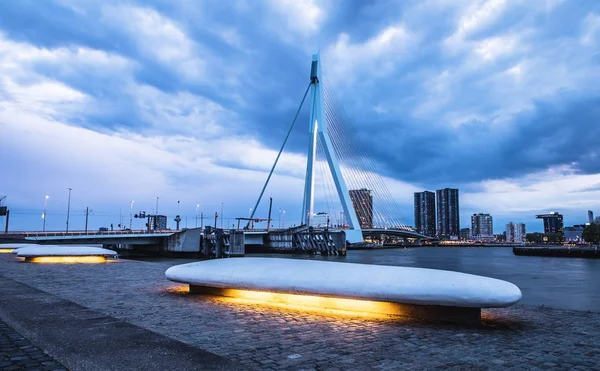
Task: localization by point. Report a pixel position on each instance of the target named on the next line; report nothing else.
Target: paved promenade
(258, 337)
(17, 353)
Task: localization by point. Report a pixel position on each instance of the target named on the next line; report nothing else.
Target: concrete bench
(65, 254)
(388, 290)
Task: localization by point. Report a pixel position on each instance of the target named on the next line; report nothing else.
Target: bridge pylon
(318, 130)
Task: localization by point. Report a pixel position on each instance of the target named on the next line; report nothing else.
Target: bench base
(346, 305)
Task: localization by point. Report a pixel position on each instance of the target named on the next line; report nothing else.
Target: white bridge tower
(318, 129)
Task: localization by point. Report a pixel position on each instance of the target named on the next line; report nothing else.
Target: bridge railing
(88, 233)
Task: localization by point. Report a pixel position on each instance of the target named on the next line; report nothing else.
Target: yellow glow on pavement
(344, 306)
(66, 259)
(6, 250)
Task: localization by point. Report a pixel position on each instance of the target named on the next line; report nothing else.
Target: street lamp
(197, 206)
(131, 215)
(221, 215)
(68, 209)
(156, 205)
(283, 220)
(279, 221)
(249, 212)
(44, 214)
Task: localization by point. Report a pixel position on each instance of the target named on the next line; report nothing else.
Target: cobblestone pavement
(261, 337)
(17, 353)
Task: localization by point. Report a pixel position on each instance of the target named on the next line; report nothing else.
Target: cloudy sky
(190, 101)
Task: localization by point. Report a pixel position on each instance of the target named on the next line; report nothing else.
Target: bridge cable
(351, 172)
(279, 154)
(375, 181)
(353, 179)
(357, 160)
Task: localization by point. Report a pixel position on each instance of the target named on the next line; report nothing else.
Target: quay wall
(559, 251)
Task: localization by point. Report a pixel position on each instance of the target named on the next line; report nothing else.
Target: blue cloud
(438, 96)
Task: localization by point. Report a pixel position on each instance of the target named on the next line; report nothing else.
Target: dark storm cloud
(273, 73)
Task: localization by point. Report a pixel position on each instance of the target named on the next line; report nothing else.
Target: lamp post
(44, 214)
(279, 221)
(221, 215)
(156, 205)
(197, 206)
(283, 220)
(131, 215)
(68, 209)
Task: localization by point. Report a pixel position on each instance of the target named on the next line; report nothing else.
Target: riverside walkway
(127, 300)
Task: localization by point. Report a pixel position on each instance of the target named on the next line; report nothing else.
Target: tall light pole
(44, 214)
(131, 215)
(221, 215)
(249, 212)
(197, 206)
(156, 205)
(279, 218)
(283, 220)
(68, 209)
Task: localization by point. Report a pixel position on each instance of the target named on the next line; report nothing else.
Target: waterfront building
(482, 226)
(590, 216)
(465, 234)
(573, 234)
(158, 222)
(448, 221)
(362, 200)
(425, 213)
(515, 232)
(553, 222)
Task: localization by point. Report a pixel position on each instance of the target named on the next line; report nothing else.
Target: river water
(566, 283)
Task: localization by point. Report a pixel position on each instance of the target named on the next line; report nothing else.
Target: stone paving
(261, 337)
(17, 353)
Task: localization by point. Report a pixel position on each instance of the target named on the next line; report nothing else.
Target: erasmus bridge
(338, 170)
(348, 176)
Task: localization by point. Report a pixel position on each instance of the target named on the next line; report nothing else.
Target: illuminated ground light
(66, 259)
(342, 306)
(7, 250)
(65, 255)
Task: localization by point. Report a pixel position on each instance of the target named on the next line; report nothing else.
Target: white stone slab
(54, 250)
(363, 281)
(15, 245)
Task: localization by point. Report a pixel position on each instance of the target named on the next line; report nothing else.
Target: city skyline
(203, 106)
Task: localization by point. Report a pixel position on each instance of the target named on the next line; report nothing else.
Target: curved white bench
(11, 247)
(418, 291)
(65, 254)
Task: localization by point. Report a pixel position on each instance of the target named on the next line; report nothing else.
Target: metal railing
(88, 233)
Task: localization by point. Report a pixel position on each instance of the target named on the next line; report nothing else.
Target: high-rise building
(482, 225)
(553, 222)
(590, 216)
(448, 222)
(465, 234)
(515, 232)
(425, 213)
(362, 200)
(158, 222)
